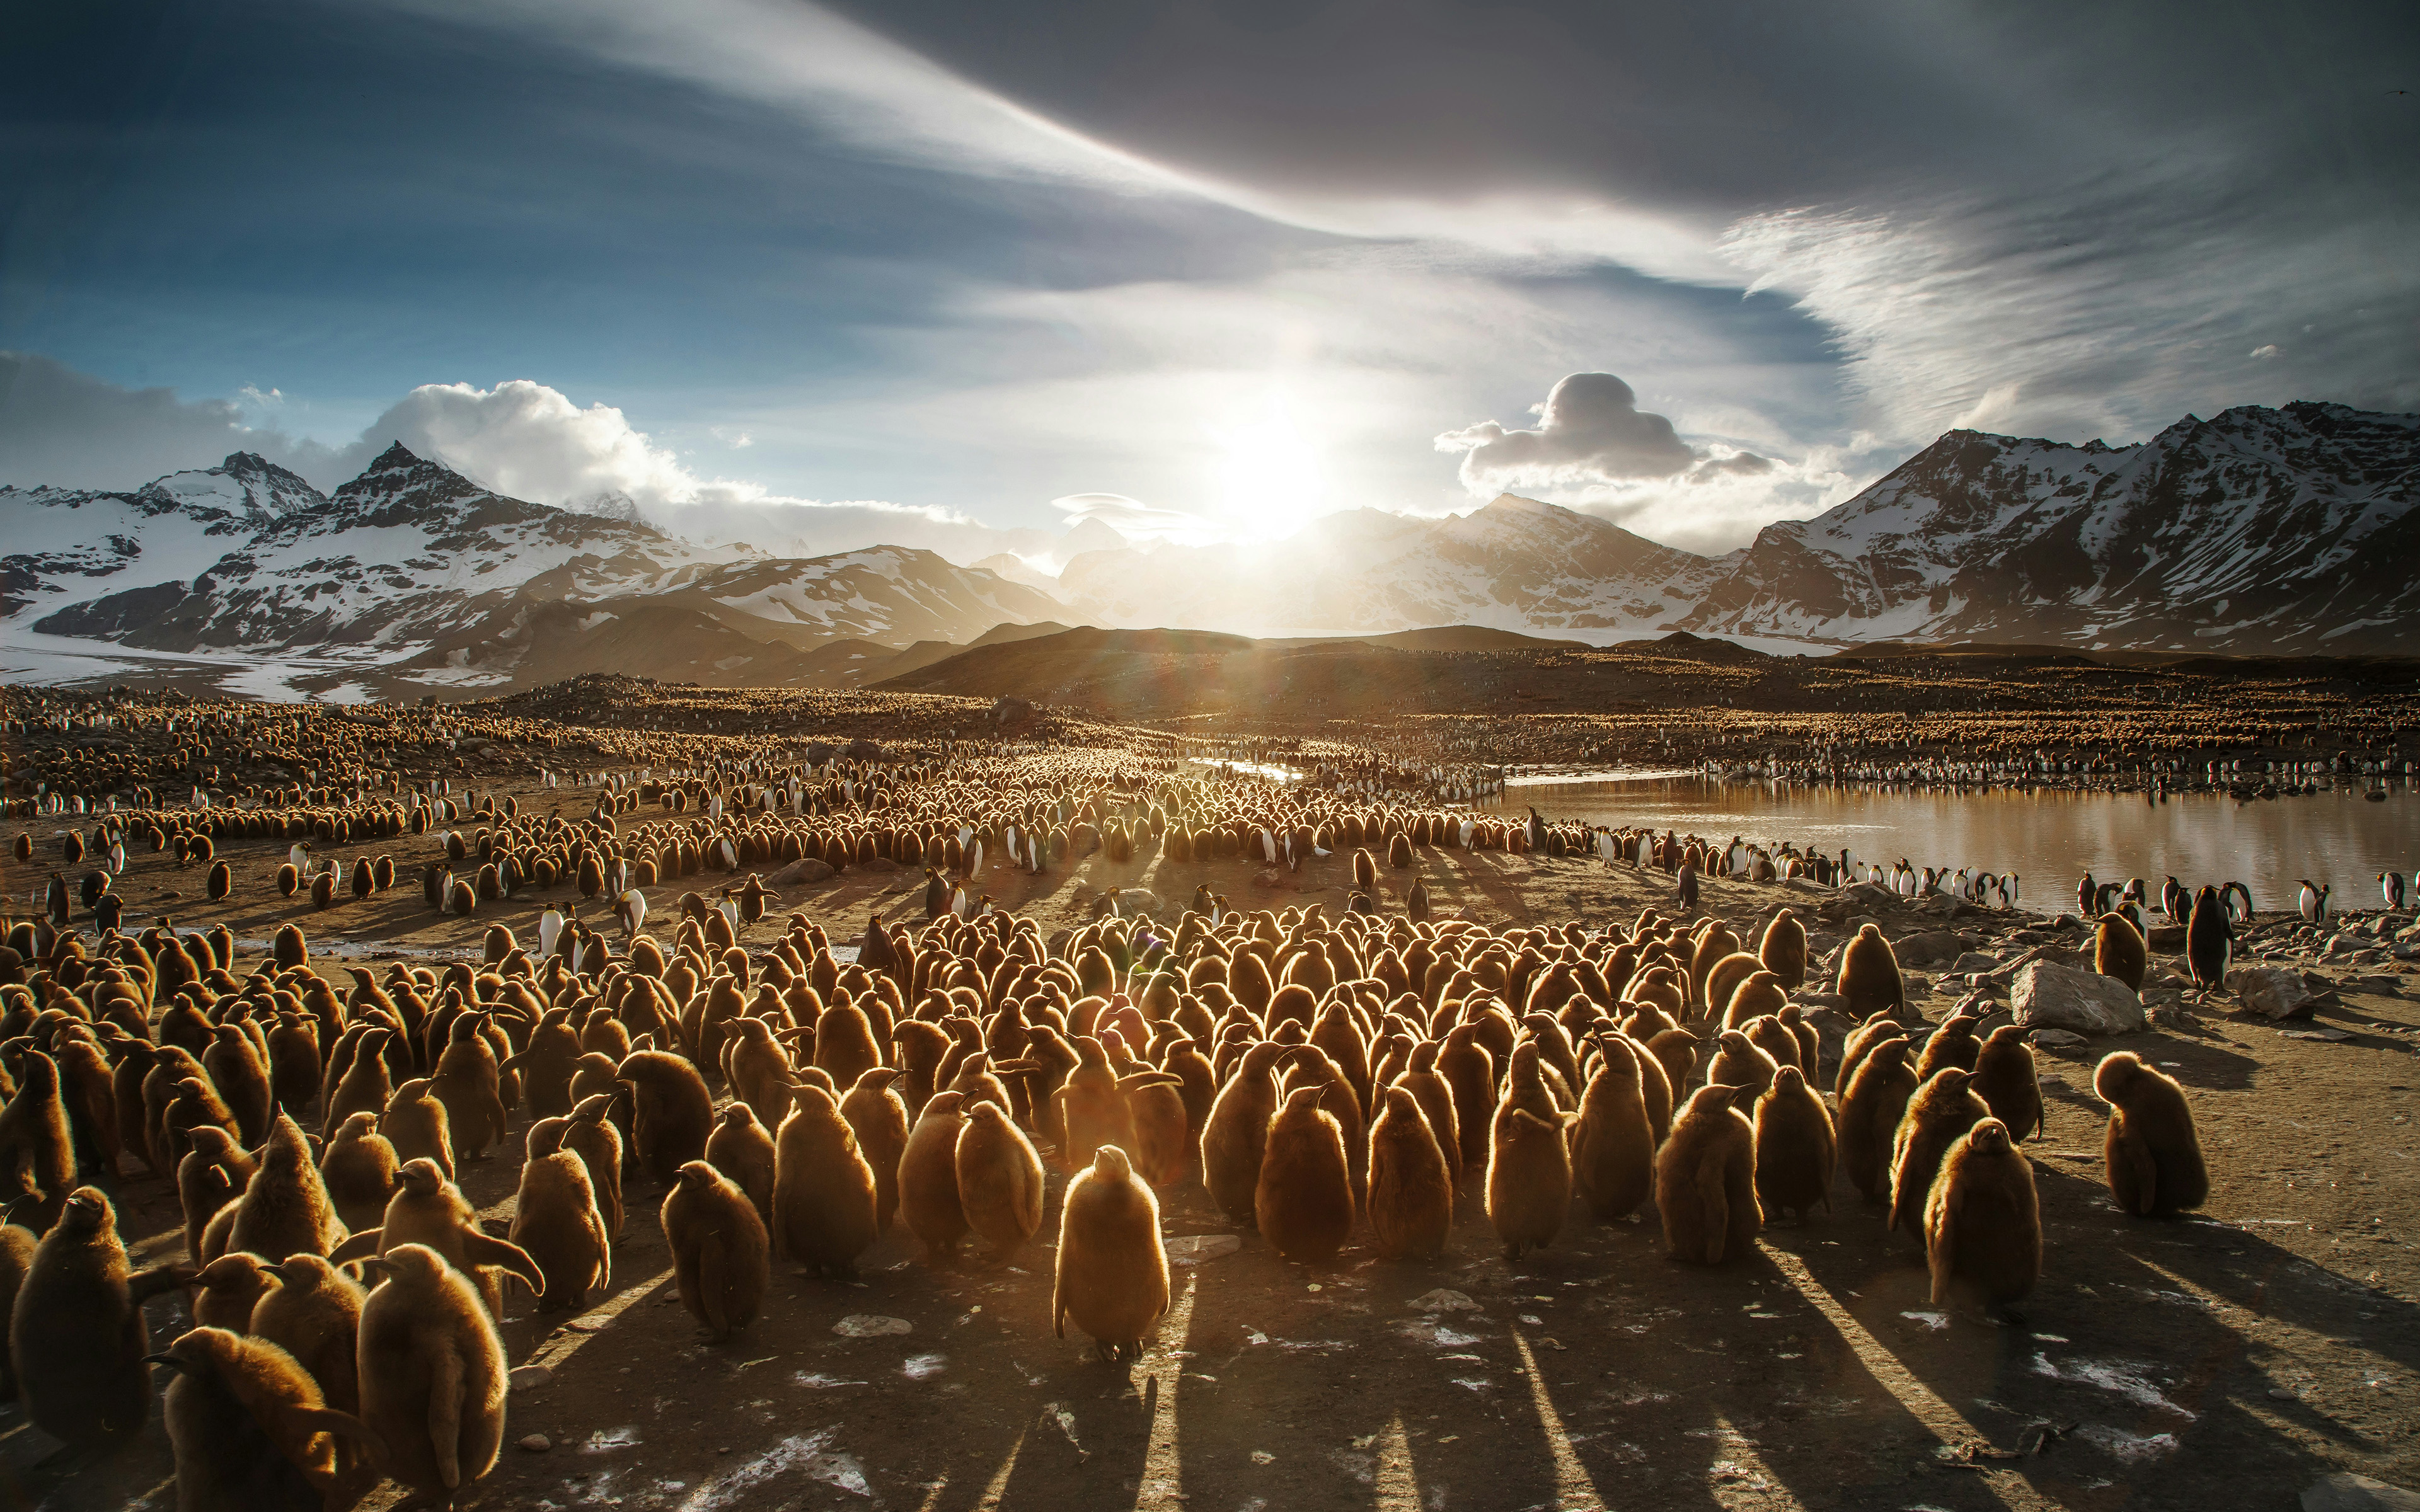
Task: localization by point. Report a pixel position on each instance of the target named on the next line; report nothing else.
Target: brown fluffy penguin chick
(1784, 950)
(1613, 1144)
(673, 1111)
(1705, 1179)
(315, 1315)
(226, 1288)
(1794, 1147)
(17, 1246)
(1983, 1222)
(555, 1219)
(286, 1208)
(1435, 1098)
(2008, 1082)
(593, 1135)
(1676, 1050)
(414, 1124)
(1942, 1109)
(742, 1149)
(2119, 950)
(1236, 1140)
(1953, 1042)
(1861, 1039)
(432, 1375)
(358, 1172)
(758, 1071)
(1528, 1177)
(1112, 1271)
(469, 1082)
(212, 1175)
(1090, 1108)
(430, 1210)
(1411, 1186)
(1738, 1062)
(823, 1189)
(76, 1335)
(249, 1426)
(1758, 995)
(1769, 1034)
(1869, 980)
(2153, 1154)
(878, 1117)
(722, 1262)
(363, 1086)
(929, 1204)
(1000, 1180)
(1304, 1202)
(1870, 1109)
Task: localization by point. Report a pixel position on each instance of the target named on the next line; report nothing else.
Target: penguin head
(700, 1175)
(1989, 1136)
(420, 1177)
(1786, 1081)
(1110, 1163)
(86, 1211)
(2115, 1074)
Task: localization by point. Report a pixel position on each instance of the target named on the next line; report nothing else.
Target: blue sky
(942, 264)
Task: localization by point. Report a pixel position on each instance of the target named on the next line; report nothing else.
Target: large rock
(2047, 996)
(2272, 992)
(1931, 946)
(2347, 1492)
(806, 869)
(861, 750)
(2165, 939)
(1865, 897)
(1132, 902)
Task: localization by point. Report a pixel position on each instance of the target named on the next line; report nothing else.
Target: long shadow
(2151, 1350)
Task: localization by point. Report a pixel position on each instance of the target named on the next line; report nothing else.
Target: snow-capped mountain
(1514, 564)
(411, 558)
(2257, 529)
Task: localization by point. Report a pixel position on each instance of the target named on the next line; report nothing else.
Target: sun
(1272, 475)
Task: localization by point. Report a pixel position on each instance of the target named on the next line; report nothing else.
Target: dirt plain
(2224, 1361)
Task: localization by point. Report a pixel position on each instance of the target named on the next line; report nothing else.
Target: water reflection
(2049, 838)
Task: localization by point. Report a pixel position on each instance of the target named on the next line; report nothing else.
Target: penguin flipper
(363, 1245)
(481, 1249)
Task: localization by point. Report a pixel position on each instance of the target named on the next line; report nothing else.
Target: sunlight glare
(1272, 472)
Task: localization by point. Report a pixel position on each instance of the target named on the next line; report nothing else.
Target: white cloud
(525, 439)
(731, 436)
(2262, 354)
(1590, 430)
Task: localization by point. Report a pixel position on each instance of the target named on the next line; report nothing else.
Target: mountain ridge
(2253, 531)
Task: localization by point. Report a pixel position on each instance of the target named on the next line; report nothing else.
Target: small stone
(536, 1443)
(1444, 1300)
(530, 1377)
(870, 1325)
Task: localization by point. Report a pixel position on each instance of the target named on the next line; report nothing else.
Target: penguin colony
(1321, 1079)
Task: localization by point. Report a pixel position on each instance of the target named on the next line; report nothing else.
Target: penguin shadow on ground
(2129, 1365)
(1321, 1385)
(35, 1468)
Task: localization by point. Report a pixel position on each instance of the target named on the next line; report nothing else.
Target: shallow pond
(2049, 839)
